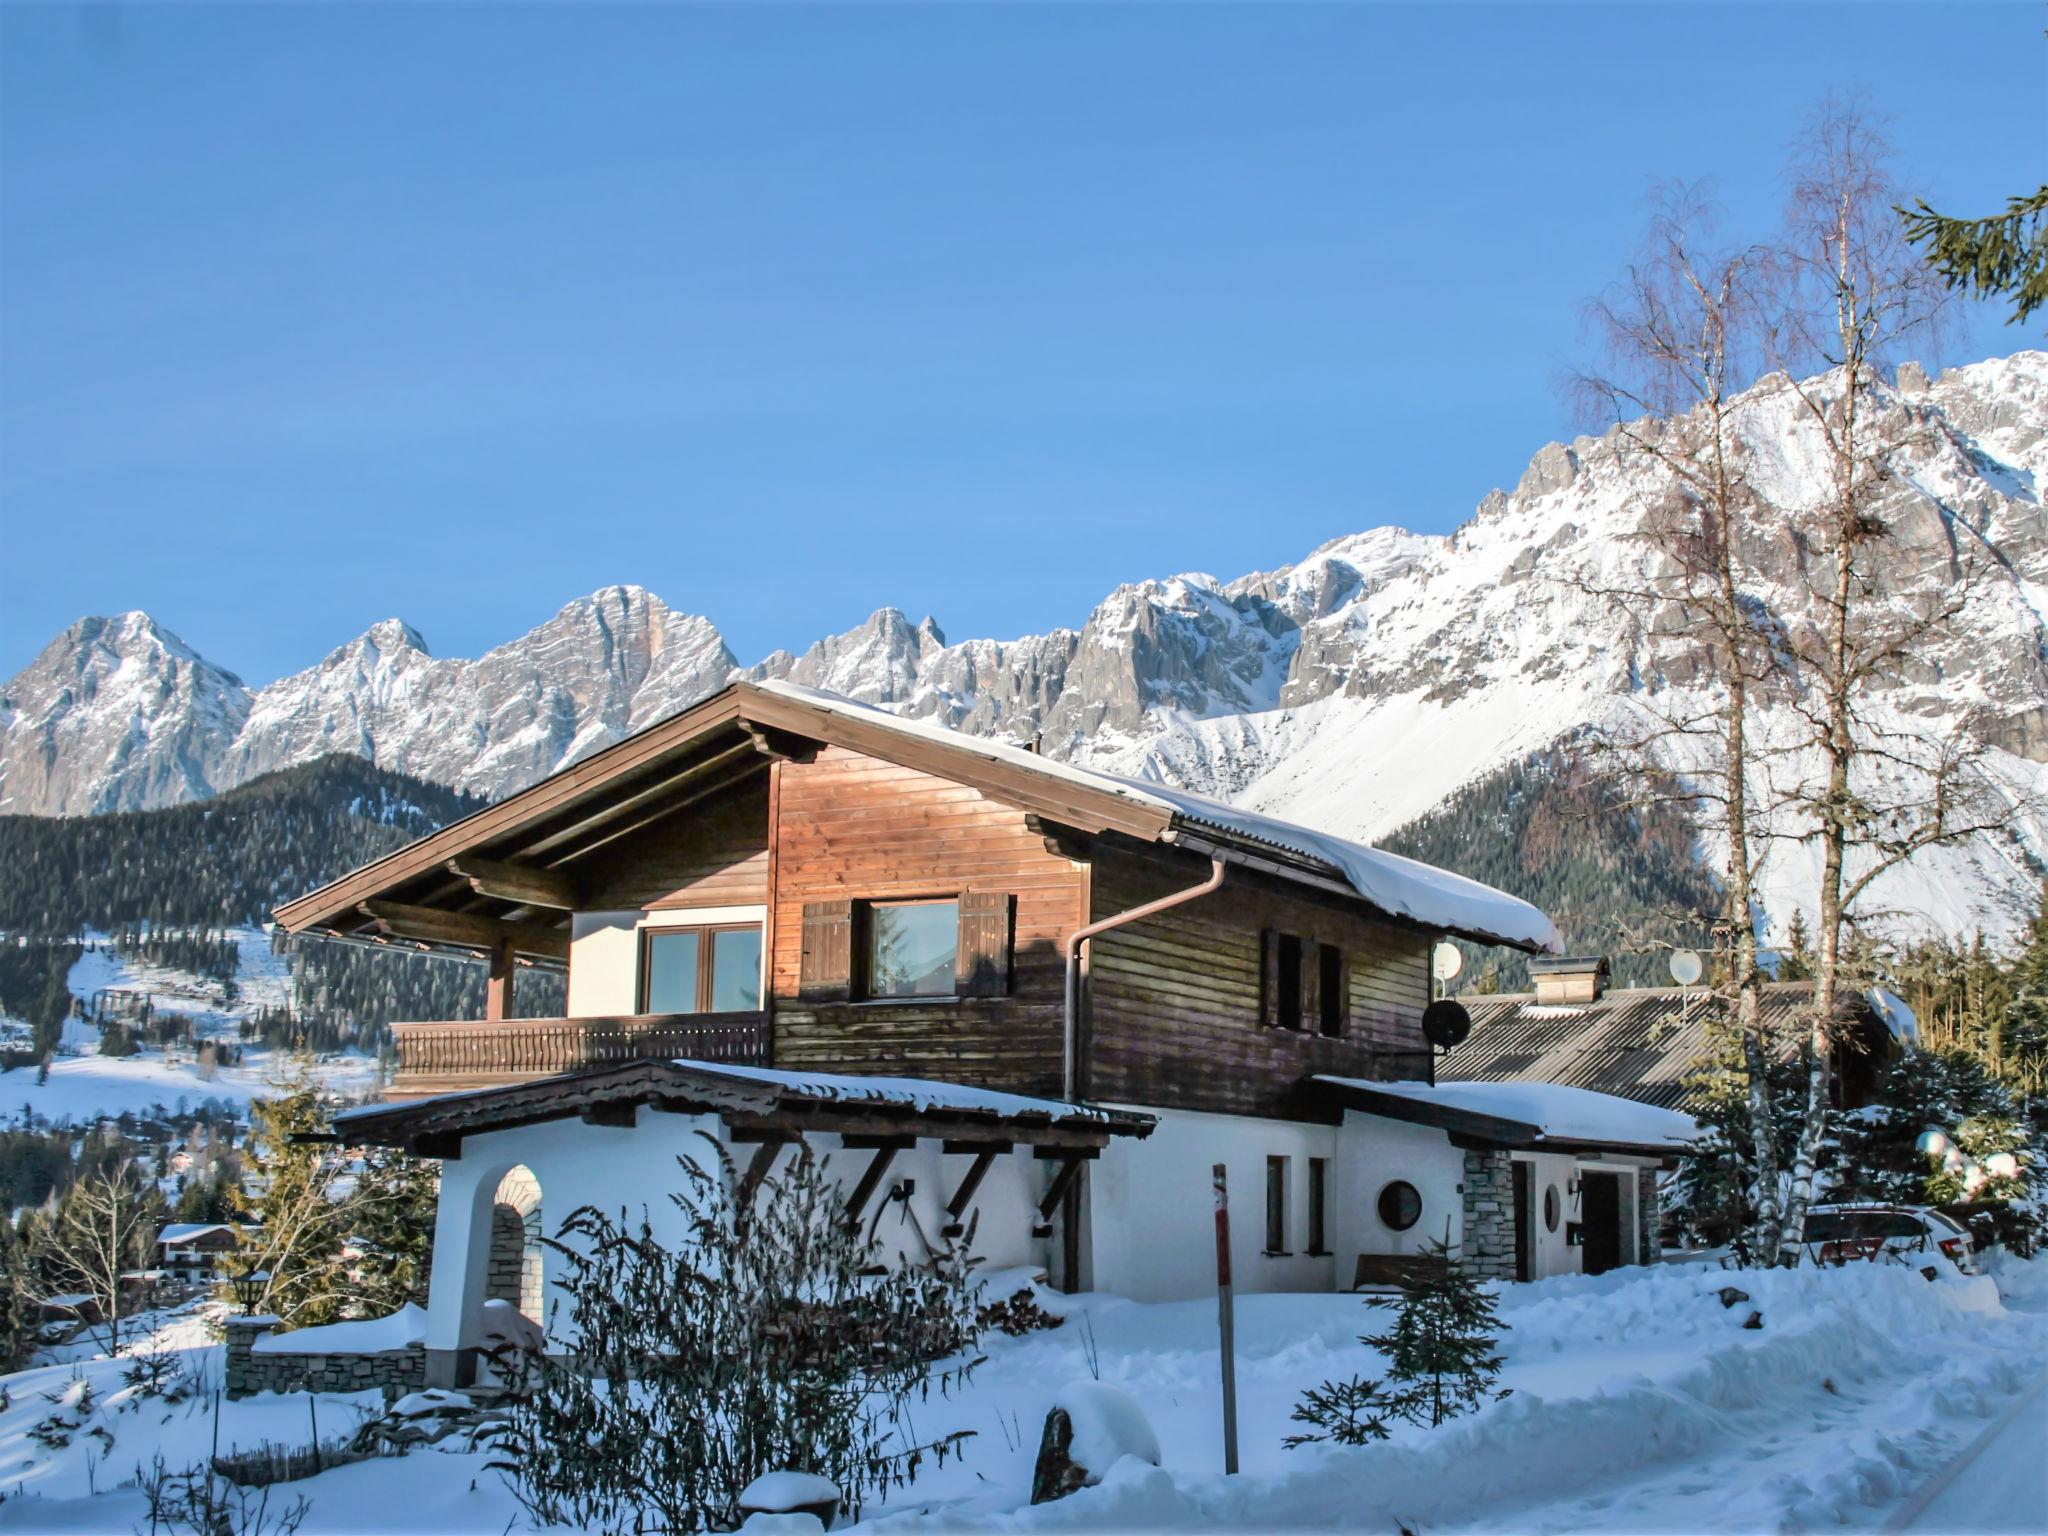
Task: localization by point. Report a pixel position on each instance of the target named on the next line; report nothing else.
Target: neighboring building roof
(753, 1097)
(1525, 1116)
(1639, 1043)
(191, 1231)
(719, 742)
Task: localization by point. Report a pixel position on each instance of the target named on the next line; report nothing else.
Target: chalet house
(197, 1251)
(1642, 1043)
(1005, 994)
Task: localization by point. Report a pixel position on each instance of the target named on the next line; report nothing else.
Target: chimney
(1569, 978)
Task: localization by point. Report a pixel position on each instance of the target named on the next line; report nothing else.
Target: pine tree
(1795, 960)
(298, 1225)
(1440, 1351)
(1441, 1360)
(394, 1203)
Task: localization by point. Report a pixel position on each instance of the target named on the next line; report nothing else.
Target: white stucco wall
(633, 1170)
(604, 953)
(1149, 1216)
(1550, 1252)
(1371, 1153)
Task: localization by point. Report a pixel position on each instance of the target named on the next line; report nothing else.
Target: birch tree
(103, 1227)
(1875, 790)
(1681, 333)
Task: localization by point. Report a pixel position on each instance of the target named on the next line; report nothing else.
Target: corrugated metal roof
(1639, 1042)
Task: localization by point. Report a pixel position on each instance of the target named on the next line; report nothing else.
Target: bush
(769, 1340)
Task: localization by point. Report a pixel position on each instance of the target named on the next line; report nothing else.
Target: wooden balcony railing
(487, 1053)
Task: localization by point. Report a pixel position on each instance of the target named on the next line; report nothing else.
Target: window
(1552, 1208)
(1288, 995)
(1400, 1206)
(1303, 984)
(1330, 961)
(1276, 1205)
(1318, 1179)
(700, 970)
(912, 948)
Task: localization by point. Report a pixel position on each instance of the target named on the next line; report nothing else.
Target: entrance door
(1600, 1221)
(1525, 1222)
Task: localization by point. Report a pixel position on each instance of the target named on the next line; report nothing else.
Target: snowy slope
(1354, 689)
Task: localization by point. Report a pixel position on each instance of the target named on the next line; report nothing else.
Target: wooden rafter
(1070, 1169)
(694, 791)
(970, 1181)
(871, 1179)
(430, 925)
(757, 1170)
(521, 884)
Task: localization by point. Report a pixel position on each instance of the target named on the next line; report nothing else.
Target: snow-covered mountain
(1355, 688)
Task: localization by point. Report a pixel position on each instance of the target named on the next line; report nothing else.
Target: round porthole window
(1551, 1209)
(1400, 1205)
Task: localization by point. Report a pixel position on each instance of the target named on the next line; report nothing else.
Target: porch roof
(1544, 1117)
(758, 1100)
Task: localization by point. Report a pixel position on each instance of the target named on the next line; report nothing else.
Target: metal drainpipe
(1082, 935)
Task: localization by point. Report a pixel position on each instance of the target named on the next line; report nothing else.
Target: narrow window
(912, 948)
(1276, 1205)
(1318, 1174)
(1330, 961)
(735, 981)
(668, 973)
(1289, 1001)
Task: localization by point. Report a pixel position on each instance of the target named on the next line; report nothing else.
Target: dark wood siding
(855, 828)
(709, 855)
(1174, 1002)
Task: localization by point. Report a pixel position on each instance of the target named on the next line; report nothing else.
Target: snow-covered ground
(84, 1086)
(1640, 1403)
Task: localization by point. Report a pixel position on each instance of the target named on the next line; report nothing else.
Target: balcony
(461, 1055)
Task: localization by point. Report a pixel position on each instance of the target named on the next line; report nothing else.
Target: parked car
(1888, 1234)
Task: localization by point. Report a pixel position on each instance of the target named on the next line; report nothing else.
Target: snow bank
(1108, 1426)
(1558, 1112)
(782, 1492)
(1403, 887)
(369, 1336)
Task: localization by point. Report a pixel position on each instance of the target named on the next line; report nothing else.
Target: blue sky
(314, 315)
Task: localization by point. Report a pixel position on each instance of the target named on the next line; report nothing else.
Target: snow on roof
(1403, 887)
(369, 1336)
(916, 1093)
(1557, 1112)
(1896, 1016)
(187, 1231)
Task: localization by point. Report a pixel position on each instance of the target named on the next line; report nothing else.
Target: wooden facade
(764, 807)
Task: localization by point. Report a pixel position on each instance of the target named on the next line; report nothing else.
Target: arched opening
(514, 1274)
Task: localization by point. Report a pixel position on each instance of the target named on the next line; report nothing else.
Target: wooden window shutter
(827, 971)
(981, 966)
(1269, 978)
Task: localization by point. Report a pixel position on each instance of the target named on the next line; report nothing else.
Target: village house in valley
(1008, 996)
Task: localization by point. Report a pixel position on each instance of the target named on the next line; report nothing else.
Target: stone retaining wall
(249, 1372)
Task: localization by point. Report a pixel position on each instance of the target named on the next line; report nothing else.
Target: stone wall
(249, 1372)
(1649, 1216)
(1488, 1249)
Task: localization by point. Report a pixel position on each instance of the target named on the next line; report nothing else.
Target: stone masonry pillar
(1488, 1248)
(242, 1375)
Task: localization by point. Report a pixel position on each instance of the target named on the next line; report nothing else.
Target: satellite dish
(1447, 960)
(1445, 1023)
(1686, 967)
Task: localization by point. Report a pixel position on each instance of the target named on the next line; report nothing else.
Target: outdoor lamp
(249, 1289)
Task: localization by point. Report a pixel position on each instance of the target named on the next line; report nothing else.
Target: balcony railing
(487, 1053)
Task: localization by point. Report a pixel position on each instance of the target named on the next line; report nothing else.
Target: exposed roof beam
(433, 926)
(520, 884)
(613, 810)
(689, 797)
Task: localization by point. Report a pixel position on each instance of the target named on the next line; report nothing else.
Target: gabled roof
(542, 832)
(747, 1097)
(1637, 1042)
(1524, 1116)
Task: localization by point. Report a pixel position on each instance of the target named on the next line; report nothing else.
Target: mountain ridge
(1316, 689)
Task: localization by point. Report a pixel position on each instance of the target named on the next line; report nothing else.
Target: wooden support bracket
(757, 1170)
(870, 1181)
(430, 925)
(1070, 1169)
(969, 1183)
